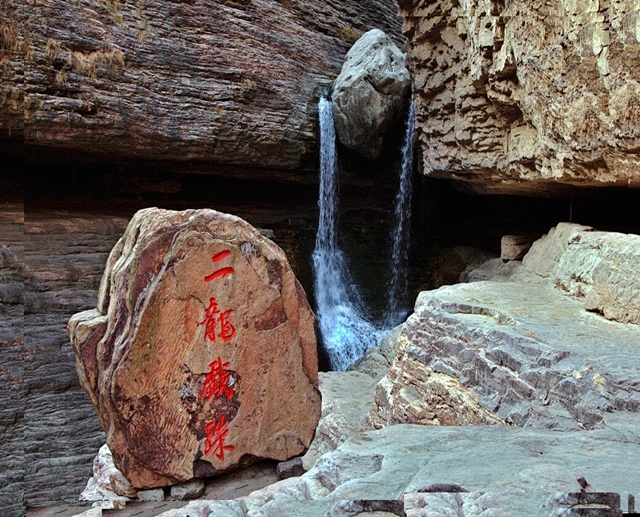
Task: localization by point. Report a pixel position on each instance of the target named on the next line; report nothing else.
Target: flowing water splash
(399, 284)
(345, 333)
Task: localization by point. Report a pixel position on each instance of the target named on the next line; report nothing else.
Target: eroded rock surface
(526, 97)
(108, 488)
(12, 445)
(369, 93)
(508, 471)
(346, 401)
(414, 393)
(64, 257)
(531, 354)
(225, 83)
(201, 355)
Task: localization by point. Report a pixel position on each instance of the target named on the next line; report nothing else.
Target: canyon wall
(525, 97)
(232, 82)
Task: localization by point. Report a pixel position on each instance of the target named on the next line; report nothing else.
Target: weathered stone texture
(525, 97)
(413, 393)
(12, 52)
(183, 292)
(601, 269)
(346, 400)
(108, 488)
(12, 402)
(65, 256)
(369, 93)
(531, 354)
(226, 82)
(507, 471)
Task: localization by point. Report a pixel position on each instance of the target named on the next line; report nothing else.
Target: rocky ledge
(525, 344)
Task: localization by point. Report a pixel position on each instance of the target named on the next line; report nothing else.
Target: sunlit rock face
(225, 82)
(549, 343)
(521, 97)
(201, 355)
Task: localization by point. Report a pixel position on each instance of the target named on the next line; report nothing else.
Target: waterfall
(345, 332)
(399, 284)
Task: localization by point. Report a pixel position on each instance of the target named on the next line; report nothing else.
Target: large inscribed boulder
(201, 355)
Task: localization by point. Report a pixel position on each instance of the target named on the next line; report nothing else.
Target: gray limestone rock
(153, 495)
(523, 341)
(369, 92)
(290, 468)
(346, 400)
(189, 490)
(507, 470)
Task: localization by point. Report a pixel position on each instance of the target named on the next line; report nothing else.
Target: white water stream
(345, 330)
(399, 303)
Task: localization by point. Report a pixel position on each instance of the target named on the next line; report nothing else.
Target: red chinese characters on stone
(216, 434)
(216, 383)
(222, 272)
(213, 318)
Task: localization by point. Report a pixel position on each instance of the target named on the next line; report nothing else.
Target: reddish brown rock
(212, 84)
(201, 356)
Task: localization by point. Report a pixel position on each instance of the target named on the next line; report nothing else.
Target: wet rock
(376, 360)
(201, 355)
(369, 93)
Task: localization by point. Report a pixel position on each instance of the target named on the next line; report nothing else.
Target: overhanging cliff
(526, 97)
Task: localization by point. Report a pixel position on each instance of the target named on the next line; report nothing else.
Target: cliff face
(228, 82)
(519, 96)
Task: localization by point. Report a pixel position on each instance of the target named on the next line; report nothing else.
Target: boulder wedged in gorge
(526, 97)
(201, 354)
(369, 93)
(222, 83)
(526, 344)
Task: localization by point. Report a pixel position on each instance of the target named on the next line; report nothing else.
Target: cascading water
(399, 284)
(345, 333)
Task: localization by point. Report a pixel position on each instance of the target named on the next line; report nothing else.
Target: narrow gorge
(451, 187)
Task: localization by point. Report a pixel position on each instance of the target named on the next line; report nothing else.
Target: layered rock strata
(12, 407)
(65, 254)
(226, 83)
(526, 97)
(530, 353)
(201, 354)
(369, 93)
